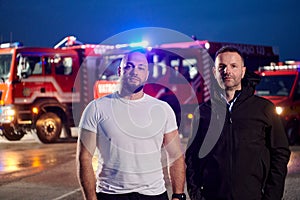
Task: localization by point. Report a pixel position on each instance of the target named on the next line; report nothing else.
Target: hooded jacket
(249, 158)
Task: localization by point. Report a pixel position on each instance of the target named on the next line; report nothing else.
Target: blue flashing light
(11, 45)
(143, 44)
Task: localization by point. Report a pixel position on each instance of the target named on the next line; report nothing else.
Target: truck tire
(48, 127)
(11, 134)
(292, 134)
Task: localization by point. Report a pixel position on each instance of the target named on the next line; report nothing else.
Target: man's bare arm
(176, 161)
(86, 146)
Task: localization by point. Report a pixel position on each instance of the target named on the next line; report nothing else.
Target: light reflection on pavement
(18, 160)
(294, 163)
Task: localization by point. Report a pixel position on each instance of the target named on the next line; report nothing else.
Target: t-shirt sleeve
(171, 124)
(88, 119)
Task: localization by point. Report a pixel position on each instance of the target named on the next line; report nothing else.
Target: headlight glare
(279, 110)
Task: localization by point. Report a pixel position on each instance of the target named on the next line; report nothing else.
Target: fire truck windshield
(280, 85)
(5, 63)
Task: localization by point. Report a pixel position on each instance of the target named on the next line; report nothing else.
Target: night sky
(260, 22)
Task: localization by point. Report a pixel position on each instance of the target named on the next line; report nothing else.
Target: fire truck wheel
(292, 133)
(48, 127)
(11, 134)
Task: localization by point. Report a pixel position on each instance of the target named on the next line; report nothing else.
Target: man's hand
(176, 161)
(86, 146)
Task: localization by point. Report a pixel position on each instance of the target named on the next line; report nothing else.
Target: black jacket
(250, 156)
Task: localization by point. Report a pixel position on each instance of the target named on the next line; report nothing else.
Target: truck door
(30, 70)
(65, 69)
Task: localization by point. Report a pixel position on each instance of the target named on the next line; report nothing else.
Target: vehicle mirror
(24, 75)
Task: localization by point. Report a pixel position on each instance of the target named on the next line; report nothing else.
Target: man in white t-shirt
(130, 130)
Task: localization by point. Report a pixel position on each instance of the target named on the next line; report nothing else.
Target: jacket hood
(250, 79)
(249, 82)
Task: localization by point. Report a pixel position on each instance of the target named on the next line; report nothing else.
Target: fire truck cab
(281, 85)
(36, 91)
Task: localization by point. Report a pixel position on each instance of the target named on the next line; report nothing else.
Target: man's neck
(130, 95)
(230, 93)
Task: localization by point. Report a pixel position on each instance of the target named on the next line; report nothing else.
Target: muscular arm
(85, 150)
(176, 160)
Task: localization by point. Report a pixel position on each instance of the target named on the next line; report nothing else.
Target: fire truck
(44, 90)
(280, 83)
(36, 91)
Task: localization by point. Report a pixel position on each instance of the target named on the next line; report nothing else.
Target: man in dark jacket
(238, 149)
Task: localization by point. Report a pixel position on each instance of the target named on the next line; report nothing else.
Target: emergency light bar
(142, 44)
(280, 67)
(11, 45)
(194, 44)
(139, 44)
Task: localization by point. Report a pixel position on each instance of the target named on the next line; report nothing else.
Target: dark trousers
(132, 196)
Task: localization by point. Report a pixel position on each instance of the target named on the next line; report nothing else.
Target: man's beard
(134, 88)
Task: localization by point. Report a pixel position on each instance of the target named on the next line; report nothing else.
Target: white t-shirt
(129, 140)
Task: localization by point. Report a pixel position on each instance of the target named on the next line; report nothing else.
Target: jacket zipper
(231, 143)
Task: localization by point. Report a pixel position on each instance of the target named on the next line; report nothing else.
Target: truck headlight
(7, 114)
(279, 110)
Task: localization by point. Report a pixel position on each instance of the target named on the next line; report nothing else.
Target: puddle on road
(32, 157)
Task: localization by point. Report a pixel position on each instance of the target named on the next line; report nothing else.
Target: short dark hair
(229, 49)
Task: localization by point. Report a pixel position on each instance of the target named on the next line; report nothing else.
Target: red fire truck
(281, 84)
(36, 91)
